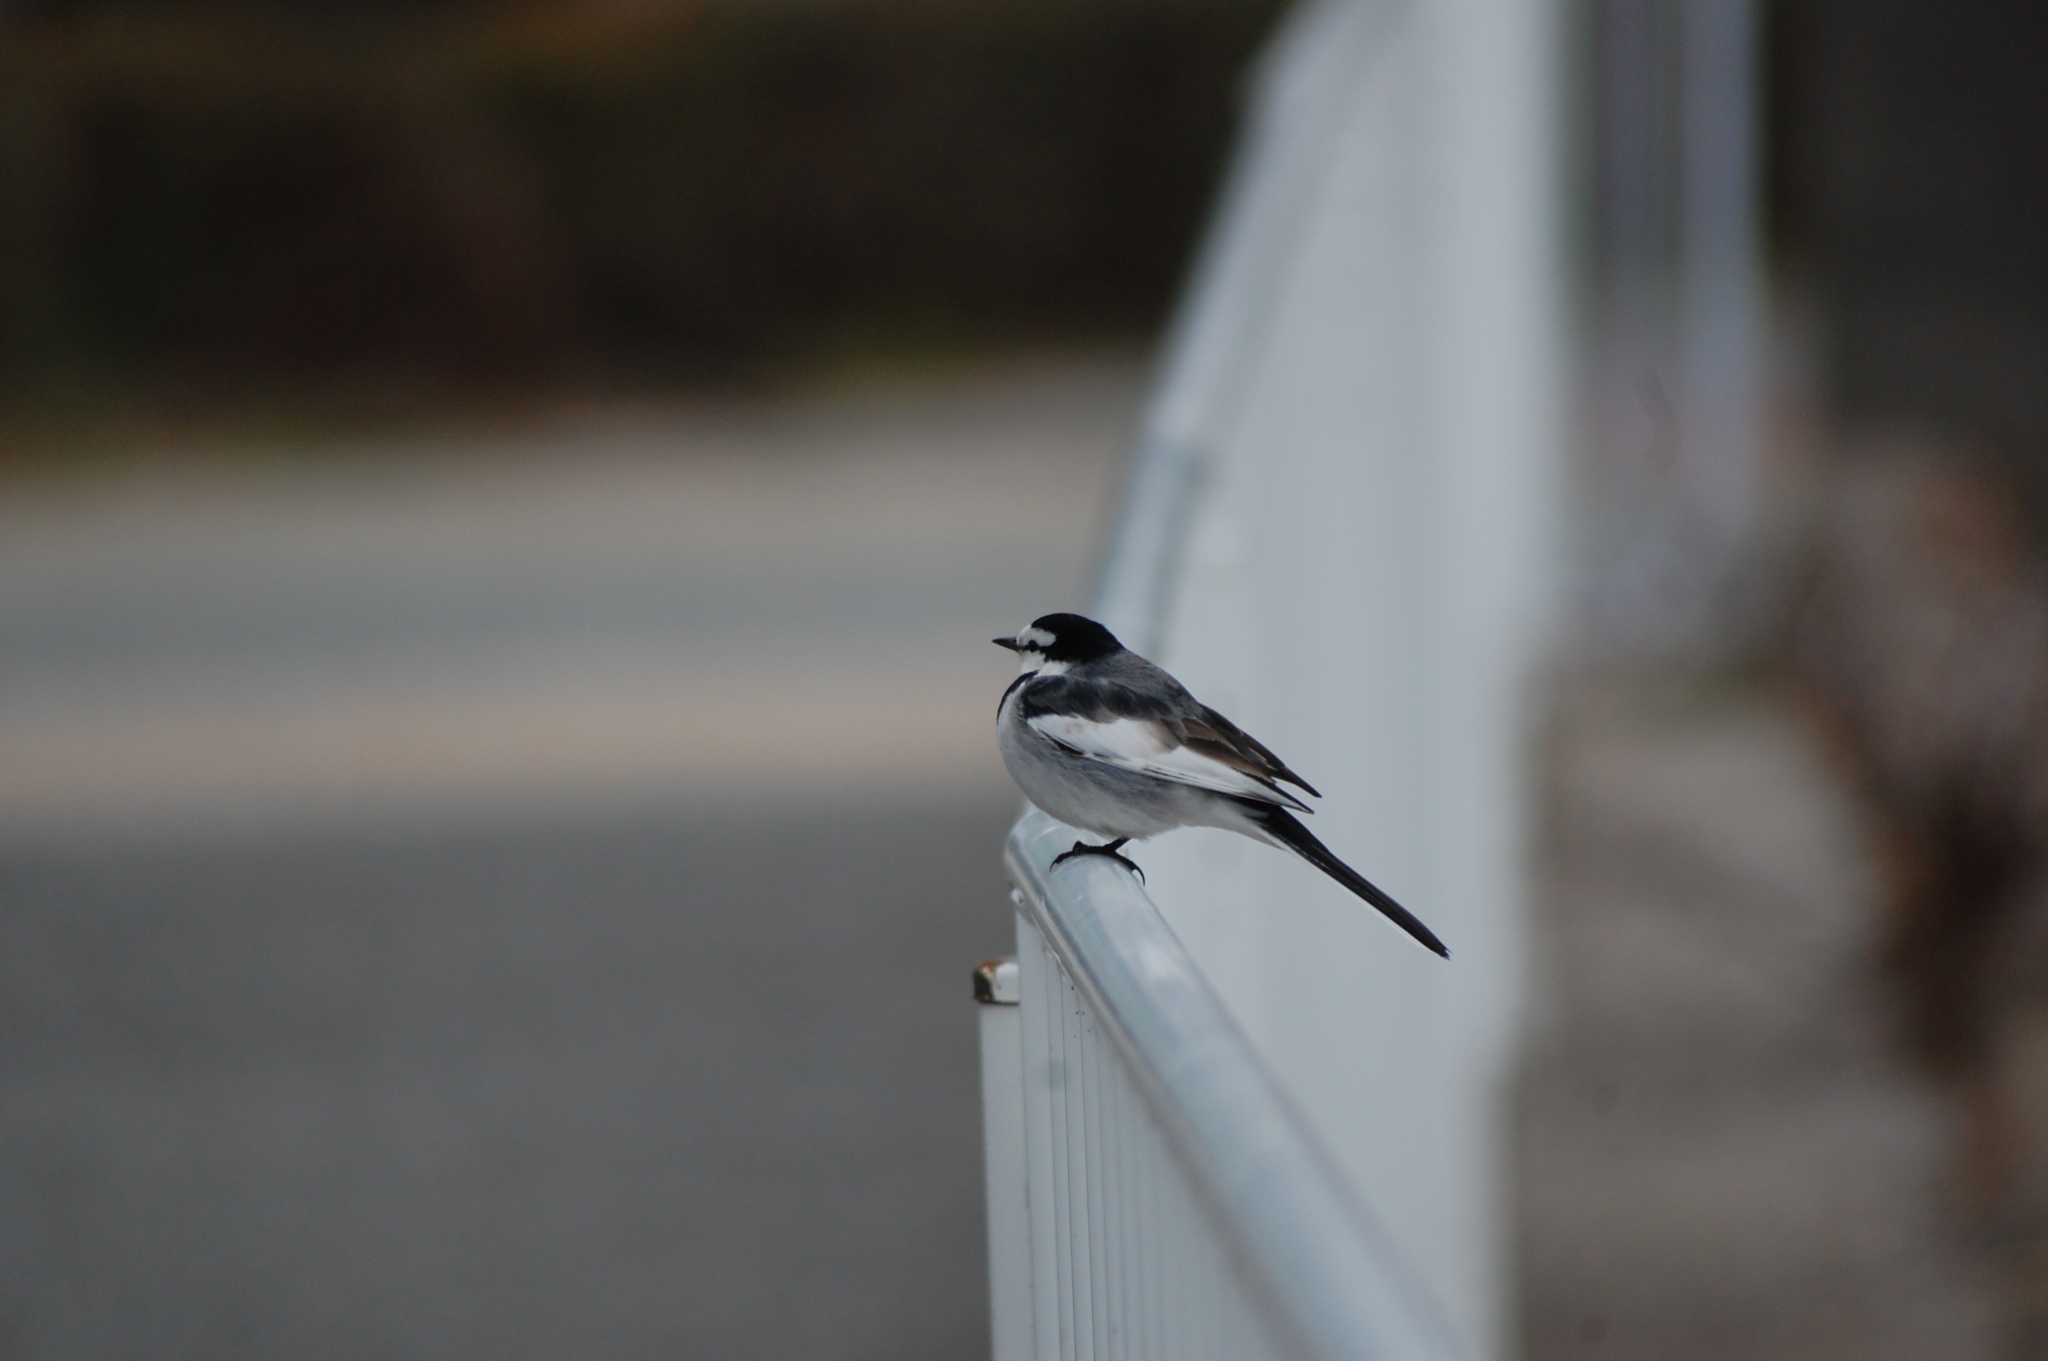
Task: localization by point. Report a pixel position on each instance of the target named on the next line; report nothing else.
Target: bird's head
(1054, 642)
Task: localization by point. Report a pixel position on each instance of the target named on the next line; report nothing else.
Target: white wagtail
(1105, 741)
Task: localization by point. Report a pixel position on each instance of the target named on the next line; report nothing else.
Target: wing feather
(1217, 738)
(1150, 746)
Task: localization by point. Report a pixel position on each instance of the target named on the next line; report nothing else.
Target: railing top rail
(1301, 91)
(1332, 1282)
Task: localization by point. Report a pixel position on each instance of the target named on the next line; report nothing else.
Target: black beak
(1010, 643)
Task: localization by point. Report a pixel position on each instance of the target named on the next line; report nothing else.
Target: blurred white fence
(1240, 1116)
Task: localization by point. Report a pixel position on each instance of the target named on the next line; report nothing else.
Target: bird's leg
(1110, 850)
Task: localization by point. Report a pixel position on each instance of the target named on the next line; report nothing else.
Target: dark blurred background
(212, 199)
(1788, 1092)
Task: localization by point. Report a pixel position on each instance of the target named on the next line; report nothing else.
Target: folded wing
(1155, 747)
(1211, 734)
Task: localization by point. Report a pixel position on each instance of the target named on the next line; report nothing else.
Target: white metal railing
(1152, 1193)
(1151, 1190)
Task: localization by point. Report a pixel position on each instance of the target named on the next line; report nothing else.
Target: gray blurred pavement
(515, 896)
(1721, 1147)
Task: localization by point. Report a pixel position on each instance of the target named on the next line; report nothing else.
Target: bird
(1107, 742)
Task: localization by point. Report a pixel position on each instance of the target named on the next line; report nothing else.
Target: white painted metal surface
(1338, 532)
(996, 988)
(1177, 1206)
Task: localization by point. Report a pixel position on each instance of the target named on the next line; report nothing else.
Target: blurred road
(515, 896)
(1721, 1147)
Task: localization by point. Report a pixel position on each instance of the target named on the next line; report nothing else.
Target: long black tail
(1282, 826)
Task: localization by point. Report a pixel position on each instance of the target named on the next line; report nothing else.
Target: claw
(1110, 850)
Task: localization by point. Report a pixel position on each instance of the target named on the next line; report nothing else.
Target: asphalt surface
(515, 897)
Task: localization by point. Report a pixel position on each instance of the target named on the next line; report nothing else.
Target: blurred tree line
(655, 188)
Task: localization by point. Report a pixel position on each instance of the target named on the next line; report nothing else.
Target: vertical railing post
(1002, 1107)
(1051, 1267)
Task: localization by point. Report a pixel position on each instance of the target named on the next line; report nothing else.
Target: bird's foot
(1111, 850)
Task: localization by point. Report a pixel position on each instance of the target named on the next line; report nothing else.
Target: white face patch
(1031, 644)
